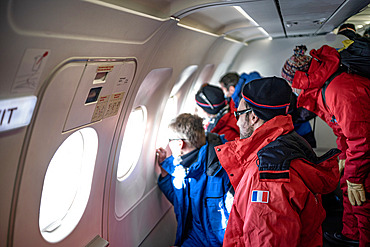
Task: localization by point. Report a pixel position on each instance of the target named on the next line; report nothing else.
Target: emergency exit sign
(16, 112)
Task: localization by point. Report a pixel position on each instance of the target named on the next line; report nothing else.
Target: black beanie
(268, 97)
(348, 30)
(211, 99)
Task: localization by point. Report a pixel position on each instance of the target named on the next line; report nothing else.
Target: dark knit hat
(210, 98)
(347, 26)
(348, 30)
(268, 97)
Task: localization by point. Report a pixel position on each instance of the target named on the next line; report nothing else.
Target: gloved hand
(341, 166)
(356, 193)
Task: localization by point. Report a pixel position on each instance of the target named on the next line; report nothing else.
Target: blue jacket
(204, 185)
(244, 79)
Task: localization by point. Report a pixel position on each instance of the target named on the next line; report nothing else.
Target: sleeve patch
(260, 196)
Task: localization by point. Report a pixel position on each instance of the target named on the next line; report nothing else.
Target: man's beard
(248, 131)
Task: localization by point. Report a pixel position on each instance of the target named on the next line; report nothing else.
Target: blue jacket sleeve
(165, 183)
(166, 186)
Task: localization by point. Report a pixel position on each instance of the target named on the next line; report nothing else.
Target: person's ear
(231, 89)
(182, 144)
(253, 119)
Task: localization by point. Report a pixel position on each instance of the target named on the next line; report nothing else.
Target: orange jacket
(293, 213)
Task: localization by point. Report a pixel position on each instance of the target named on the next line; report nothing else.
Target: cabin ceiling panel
(360, 20)
(309, 17)
(266, 15)
(276, 18)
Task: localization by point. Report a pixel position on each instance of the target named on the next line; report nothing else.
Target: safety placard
(114, 104)
(30, 70)
(105, 68)
(100, 108)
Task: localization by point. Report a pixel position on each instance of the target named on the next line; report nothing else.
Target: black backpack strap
(213, 165)
(339, 71)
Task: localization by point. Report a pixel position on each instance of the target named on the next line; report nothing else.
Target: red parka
(227, 124)
(348, 100)
(291, 213)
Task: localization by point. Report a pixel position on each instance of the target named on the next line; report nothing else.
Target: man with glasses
(193, 180)
(277, 176)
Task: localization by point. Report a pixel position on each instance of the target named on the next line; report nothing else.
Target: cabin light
(120, 8)
(367, 22)
(241, 11)
(359, 26)
(175, 18)
(291, 23)
(197, 30)
(232, 40)
(264, 32)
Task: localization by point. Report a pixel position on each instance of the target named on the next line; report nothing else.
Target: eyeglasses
(175, 139)
(238, 113)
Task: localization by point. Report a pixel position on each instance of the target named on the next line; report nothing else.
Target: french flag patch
(260, 196)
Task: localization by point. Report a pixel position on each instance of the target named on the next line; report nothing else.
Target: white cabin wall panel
(62, 47)
(183, 47)
(11, 143)
(208, 50)
(125, 193)
(163, 229)
(268, 56)
(154, 45)
(47, 136)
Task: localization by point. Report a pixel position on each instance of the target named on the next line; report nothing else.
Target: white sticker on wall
(100, 108)
(29, 71)
(16, 112)
(114, 104)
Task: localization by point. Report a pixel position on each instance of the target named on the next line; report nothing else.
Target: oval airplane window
(132, 142)
(169, 113)
(67, 185)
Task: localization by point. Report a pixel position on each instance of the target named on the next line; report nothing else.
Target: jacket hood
(325, 62)
(277, 160)
(227, 125)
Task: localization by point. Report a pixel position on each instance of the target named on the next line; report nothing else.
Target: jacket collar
(238, 155)
(268, 132)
